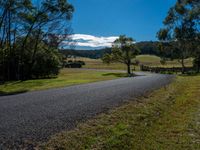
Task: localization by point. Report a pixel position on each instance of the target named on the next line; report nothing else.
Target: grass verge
(168, 118)
(67, 77)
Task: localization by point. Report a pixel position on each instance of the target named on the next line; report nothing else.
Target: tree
(30, 36)
(181, 29)
(123, 51)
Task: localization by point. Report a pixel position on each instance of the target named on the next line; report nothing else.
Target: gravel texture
(34, 116)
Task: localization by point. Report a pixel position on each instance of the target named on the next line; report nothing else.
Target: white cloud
(92, 41)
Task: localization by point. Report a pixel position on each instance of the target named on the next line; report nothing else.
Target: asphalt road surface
(35, 116)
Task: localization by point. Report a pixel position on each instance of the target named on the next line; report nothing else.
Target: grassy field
(66, 77)
(167, 119)
(149, 60)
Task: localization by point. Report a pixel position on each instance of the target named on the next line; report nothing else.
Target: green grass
(151, 60)
(67, 77)
(167, 119)
(98, 64)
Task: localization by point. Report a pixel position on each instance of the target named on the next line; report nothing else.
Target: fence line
(162, 69)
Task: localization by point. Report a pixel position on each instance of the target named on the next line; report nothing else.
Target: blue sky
(97, 20)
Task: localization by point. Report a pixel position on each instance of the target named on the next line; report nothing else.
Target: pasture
(149, 60)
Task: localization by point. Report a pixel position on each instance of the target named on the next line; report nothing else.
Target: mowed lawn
(149, 60)
(66, 77)
(167, 119)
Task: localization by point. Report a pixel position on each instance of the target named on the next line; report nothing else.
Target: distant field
(149, 60)
(152, 60)
(66, 77)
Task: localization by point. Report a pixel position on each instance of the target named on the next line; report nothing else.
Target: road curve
(35, 116)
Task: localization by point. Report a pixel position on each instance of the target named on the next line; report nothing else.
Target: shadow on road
(122, 75)
(2, 93)
(116, 74)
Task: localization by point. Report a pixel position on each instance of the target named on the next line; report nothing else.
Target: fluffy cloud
(85, 40)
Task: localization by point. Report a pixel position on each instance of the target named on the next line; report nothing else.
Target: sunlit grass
(66, 77)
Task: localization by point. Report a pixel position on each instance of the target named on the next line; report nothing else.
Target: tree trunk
(183, 65)
(128, 69)
(197, 65)
(33, 56)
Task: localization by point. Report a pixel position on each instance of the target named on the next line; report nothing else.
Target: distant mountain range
(148, 47)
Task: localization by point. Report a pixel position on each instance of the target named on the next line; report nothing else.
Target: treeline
(28, 37)
(147, 47)
(180, 36)
(95, 54)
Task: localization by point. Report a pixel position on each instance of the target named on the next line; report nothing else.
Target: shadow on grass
(116, 74)
(2, 93)
(40, 78)
(12, 82)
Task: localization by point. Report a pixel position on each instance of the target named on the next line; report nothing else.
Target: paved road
(35, 116)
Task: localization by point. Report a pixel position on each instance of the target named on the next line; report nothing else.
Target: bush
(47, 64)
(73, 65)
(81, 62)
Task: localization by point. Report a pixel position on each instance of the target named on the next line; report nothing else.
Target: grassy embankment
(66, 77)
(168, 118)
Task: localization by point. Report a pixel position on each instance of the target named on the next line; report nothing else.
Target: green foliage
(30, 35)
(181, 30)
(48, 62)
(107, 58)
(123, 51)
(196, 62)
(163, 61)
(94, 54)
(163, 34)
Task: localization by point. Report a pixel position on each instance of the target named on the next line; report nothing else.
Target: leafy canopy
(123, 51)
